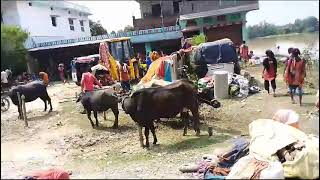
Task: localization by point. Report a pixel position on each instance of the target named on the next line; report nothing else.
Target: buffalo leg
(140, 135)
(196, 123)
(184, 116)
(89, 117)
(95, 113)
(116, 116)
(20, 112)
(49, 100)
(45, 103)
(146, 134)
(153, 131)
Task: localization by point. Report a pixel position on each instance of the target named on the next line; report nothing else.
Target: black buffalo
(100, 101)
(149, 104)
(31, 91)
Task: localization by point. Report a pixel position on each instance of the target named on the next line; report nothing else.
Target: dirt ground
(65, 139)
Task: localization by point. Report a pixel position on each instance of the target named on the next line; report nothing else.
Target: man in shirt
(87, 83)
(4, 80)
(88, 80)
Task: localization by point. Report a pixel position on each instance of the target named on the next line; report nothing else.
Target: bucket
(221, 85)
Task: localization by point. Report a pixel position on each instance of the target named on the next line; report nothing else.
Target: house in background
(216, 19)
(47, 20)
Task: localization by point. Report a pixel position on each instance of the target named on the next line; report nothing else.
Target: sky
(115, 15)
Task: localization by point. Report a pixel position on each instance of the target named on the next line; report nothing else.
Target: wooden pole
(19, 100)
(24, 110)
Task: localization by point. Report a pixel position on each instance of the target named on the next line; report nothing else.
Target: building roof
(80, 43)
(218, 12)
(64, 5)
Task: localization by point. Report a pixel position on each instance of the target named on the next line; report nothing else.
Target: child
(124, 74)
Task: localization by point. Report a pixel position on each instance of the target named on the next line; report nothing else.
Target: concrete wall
(37, 20)
(187, 7)
(146, 7)
(9, 12)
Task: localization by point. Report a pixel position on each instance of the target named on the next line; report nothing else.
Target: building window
(156, 10)
(71, 24)
(54, 21)
(221, 18)
(81, 25)
(69, 12)
(30, 4)
(176, 7)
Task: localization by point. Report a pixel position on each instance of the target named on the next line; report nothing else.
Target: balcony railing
(29, 44)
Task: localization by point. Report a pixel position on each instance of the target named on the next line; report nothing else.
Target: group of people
(294, 73)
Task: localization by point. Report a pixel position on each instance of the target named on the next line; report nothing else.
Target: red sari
(295, 72)
(270, 73)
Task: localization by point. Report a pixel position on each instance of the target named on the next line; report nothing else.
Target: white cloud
(113, 15)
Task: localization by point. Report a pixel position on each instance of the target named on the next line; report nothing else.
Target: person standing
(269, 72)
(285, 67)
(295, 74)
(88, 80)
(61, 73)
(124, 74)
(4, 80)
(148, 59)
(44, 77)
(244, 51)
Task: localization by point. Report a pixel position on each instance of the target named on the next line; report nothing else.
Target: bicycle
(5, 103)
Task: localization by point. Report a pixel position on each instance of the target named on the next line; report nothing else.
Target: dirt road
(65, 138)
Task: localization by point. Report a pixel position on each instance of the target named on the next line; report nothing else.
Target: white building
(47, 20)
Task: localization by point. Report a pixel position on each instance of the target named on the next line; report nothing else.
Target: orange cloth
(152, 70)
(45, 78)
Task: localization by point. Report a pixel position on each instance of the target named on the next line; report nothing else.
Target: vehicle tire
(5, 104)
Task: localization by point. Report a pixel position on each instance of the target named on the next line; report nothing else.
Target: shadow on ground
(41, 117)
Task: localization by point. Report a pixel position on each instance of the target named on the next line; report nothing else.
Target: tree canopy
(96, 28)
(309, 24)
(127, 28)
(13, 52)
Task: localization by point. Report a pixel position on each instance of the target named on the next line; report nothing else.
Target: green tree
(13, 52)
(96, 28)
(198, 39)
(128, 28)
(309, 24)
